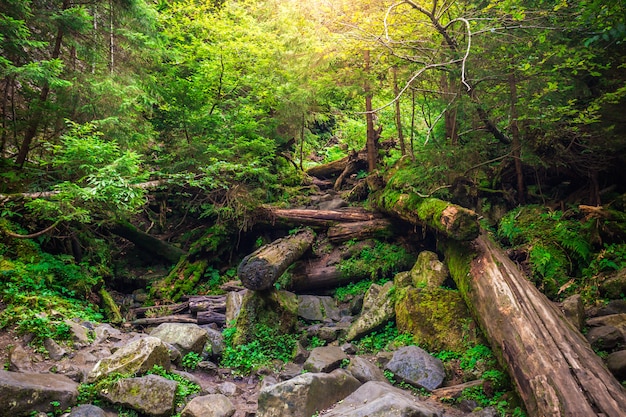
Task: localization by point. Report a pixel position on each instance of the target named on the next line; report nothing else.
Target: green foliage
(184, 388)
(191, 360)
(479, 355)
(316, 342)
(347, 292)
(388, 338)
(557, 243)
(384, 260)
(267, 346)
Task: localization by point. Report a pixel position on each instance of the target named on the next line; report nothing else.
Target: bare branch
(32, 235)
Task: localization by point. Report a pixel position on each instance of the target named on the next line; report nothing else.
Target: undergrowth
(383, 260)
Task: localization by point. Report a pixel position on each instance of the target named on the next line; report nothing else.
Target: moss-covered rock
(275, 309)
(428, 271)
(378, 309)
(437, 318)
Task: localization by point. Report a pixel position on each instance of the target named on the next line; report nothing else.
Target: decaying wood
(208, 304)
(147, 242)
(170, 308)
(450, 219)
(454, 391)
(343, 232)
(319, 218)
(262, 268)
(208, 317)
(315, 275)
(178, 318)
(334, 168)
(554, 369)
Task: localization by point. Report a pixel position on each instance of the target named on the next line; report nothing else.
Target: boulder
(317, 308)
(380, 399)
(365, 371)
(107, 333)
(437, 318)
(234, 299)
(213, 405)
(87, 410)
(325, 359)
(615, 286)
(55, 351)
(605, 337)
(305, 394)
(403, 279)
(185, 337)
(428, 271)
(79, 333)
(22, 361)
(24, 393)
(136, 357)
(151, 394)
(415, 366)
(378, 309)
(216, 341)
(616, 362)
(574, 310)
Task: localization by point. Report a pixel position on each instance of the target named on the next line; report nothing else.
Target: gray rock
(317, 308)
(234, 301)
(301, 354)
(214, 405)
(135, 358)
(186, 337)
(428, 271)
(416, 367)
(23, 393)
(612, 307)
(229, 389)
(87, 410)
(574, 310)
(605, 337)
(150, 394)
(380, 399)
(378, 309)
(215, 345)
(106, 332)
(305, 394)
(614, 287)
(290, 370)
(365, 371)
(55, 351)
(403, 279)
(20, 360)
(80, 336)
(325, 359)
(486, 412)
(616, 362)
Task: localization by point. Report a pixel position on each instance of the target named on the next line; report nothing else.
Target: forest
(160, 153)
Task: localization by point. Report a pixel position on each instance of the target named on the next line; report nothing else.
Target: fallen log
(335, 168)
(178, 318)
(170, 308)
(377, 228)
(450, 219)
(147, 243)
(313, 275)
(207, 303)
(208, 317)
(552, 365)
(262, 268)
(319, 218)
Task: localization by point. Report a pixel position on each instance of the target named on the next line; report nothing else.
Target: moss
(181, 281)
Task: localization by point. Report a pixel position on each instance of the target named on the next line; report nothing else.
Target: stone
(380, 399)
(55, 351)
(615, 286)
(80, 336)
(428, 271)
(234, 300)
(318, 308)
(301, 354)
(106, 332)
(616, 362)
(136, 357)
(24, 393)
(151, 394)
(305, 394)
(415, 366)
(228, 389)
(574, 310)
(378, 309)
(437, 318)
(290, 370)
(213, 405)
(334, 204)
(365, 371)
(215, 344)
(87, 410)
(185, 337)
(325, 359)
(605, 337)
(403, 279)
(20, 360)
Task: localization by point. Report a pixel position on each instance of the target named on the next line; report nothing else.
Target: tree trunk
(376, 228)
(396, 92)
(147, 242)
(318, 218)
(334, 168)
(315, 274)
(262, 268)
(516, 141)
(454, 221)
(554, 369)
(371, 143)
(210, 316)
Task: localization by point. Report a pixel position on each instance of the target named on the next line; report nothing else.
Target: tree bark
(360, 230)
(396, 92)
(147, 242)
(335, 168)
(315, 274)
(179, 318)
(210, 316)
(372, 142)
(554, 369)
(319, 218)
(262, 268)
(453, 221)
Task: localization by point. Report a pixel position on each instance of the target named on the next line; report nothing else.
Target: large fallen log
(262, 268)
(335, 168)
(146, 242)
(450, 219)
(315, 274)
(554, 369)
(343, 232)
(318, 218)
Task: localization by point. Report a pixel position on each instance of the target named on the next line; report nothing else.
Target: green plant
(316, 342)
(381, 261)
(383, 339)
(191, 360)
(354, 288)
(479, 354)
(184, 388)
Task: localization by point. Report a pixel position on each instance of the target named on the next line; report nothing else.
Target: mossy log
(377, 228)
(554, 369)
(450, 219)
(316, 275)
(319, 218)
(262, 268)
(335, 168)
(147, 243)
